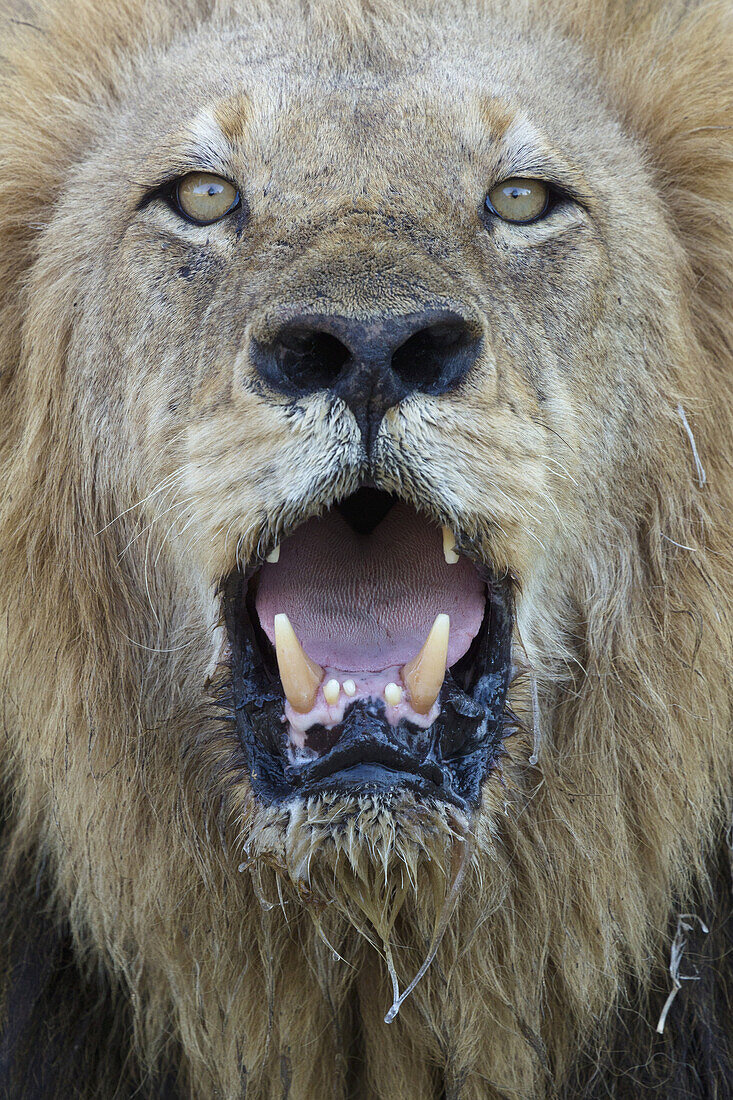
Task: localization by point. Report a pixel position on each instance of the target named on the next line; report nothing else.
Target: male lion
(366, 455)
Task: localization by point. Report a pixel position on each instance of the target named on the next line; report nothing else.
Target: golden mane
(121, 848)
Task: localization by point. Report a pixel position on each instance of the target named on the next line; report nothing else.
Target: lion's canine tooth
(300, 676)
(349, 688)
(424, 674)
(393, 695)
(331, 691)
(274, 555)
(449, 546)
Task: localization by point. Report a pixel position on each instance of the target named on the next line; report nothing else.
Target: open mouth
(367, 654)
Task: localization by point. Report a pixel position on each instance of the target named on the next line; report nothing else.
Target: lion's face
(357, 350)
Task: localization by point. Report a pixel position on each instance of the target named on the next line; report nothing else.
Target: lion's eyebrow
(496, 116)
(232, 116)
(526, 151)
(199, 145)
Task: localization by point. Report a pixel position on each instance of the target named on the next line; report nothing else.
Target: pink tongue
(366, 603)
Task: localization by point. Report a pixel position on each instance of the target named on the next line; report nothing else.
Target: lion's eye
(204, 198)
(519, 200)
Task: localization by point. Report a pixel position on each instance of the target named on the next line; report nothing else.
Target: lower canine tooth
(393, 695)
(274, 555)
(331, 692)
(449, 546)
(300, 676)
(424, 674)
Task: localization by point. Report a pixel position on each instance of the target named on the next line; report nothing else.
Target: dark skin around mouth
(365, 753)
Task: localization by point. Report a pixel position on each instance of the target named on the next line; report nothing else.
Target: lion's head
(366, 456)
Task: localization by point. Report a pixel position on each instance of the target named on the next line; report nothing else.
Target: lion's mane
(135, 957)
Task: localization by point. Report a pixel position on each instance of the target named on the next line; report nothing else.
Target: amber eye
(204, 198)
(519, 200)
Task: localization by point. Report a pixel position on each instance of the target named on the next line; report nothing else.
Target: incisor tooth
(393, 695)
(300, 676)
(424, 674)
(331, 691)
(349, 688)
(449, 546)
(274, 555)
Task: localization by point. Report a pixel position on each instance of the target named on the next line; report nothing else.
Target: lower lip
(365, 777)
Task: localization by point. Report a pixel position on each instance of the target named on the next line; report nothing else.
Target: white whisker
(701, 475)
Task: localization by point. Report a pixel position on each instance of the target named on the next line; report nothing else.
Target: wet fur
(161, 934)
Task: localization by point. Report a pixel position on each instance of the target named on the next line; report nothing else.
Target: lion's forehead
(427, 110)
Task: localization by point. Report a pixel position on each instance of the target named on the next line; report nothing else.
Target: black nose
(373, 364)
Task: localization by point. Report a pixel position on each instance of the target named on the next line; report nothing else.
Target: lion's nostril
(310, 360)
(436, 358)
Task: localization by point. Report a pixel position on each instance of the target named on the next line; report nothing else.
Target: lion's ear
(674, 83)
(16, 234)
(36, 146)
(31, 169)
(667, 67)
(67, 78)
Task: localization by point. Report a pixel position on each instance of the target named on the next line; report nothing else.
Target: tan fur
(140, 460)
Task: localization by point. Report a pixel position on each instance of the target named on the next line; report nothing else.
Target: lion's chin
(360, 860)
(351, 704)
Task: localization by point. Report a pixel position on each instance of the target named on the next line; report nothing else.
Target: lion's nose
(372, 365)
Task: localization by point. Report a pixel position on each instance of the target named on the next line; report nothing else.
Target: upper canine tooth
(424, 674)
(274, 555)
(449, 546)
(300, 676)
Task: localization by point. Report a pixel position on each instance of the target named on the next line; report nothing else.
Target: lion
(366, 454)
